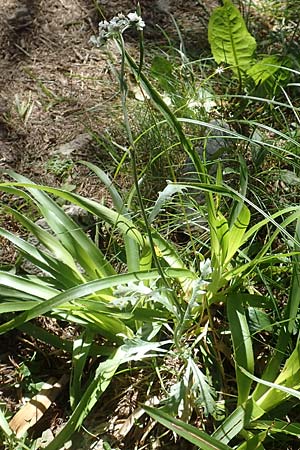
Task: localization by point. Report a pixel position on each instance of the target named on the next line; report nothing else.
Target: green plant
(232, 44)
(59, 166)
(149, 299)
(227, 236)
(24, 108)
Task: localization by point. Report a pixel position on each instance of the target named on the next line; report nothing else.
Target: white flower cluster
(117, 25)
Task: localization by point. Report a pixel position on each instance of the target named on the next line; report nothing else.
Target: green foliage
(59, 166)
(190, 433)
(261, 71)
(162, 70)
(200, 310)
(229, 38)
(232, 44)
(242, 345)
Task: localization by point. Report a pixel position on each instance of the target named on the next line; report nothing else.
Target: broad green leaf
(192, 434)
(229, 38)
(242, 344)
(264, 69)
(236, 233)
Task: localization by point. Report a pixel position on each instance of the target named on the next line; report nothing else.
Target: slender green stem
(132, 151)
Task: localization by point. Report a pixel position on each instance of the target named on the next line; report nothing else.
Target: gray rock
(79, 143)
(214, 148)
(21, 18)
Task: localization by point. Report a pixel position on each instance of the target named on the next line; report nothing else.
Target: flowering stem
(141, 42)
(123, 87)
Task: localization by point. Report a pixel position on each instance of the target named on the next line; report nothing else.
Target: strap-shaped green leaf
(242, 345)
(235, 235)
(264, 69)
(189, 432)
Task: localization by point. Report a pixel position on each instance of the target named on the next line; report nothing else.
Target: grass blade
(131, 246)
(85, 290)
(81, 349)
(289, 317)
(4, 424)
(185, 430)
(242, 345)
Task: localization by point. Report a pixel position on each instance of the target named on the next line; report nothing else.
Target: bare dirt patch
(55, 86)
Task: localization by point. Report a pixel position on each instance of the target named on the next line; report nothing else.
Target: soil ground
(56, 86)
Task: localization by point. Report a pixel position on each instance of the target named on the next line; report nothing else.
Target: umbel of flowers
(116, 26)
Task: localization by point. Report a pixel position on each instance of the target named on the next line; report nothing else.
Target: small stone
(45, 439)
(21, 18)
(164, 6)
(215, 149)
(78, 143)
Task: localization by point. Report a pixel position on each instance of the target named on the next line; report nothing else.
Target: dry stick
(32, 411)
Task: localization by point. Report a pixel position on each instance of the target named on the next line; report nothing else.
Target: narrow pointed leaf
(242, 345)
(192, 434)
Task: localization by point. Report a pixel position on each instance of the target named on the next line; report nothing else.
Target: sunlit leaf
(229, 38)
(190, 433)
